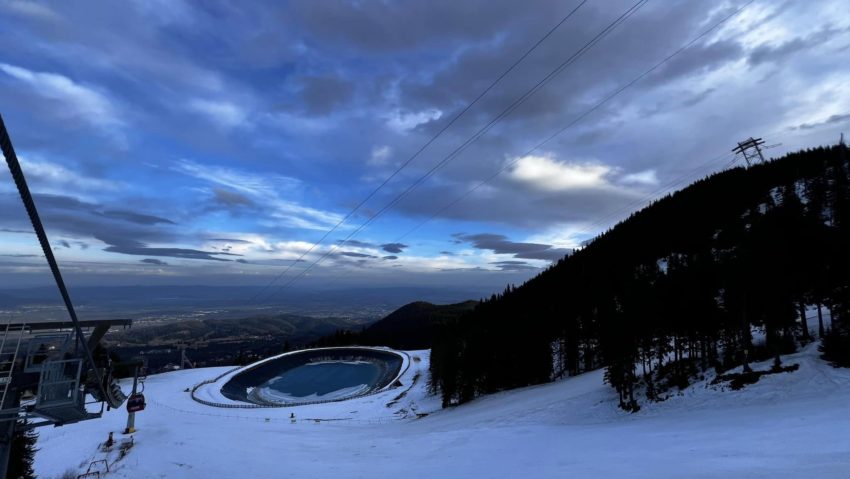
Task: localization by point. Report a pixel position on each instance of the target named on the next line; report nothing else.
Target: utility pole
(745, 146)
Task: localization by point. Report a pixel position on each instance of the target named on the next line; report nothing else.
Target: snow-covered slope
(792, 425)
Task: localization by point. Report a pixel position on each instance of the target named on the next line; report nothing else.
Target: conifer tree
(22, 454)
(674, 289)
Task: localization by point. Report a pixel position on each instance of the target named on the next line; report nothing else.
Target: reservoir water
(324, 380)
(314, 375)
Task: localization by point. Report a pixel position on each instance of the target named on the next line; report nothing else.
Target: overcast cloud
(183, 141)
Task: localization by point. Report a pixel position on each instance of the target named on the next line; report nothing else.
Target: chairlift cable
(576, 120)
(481, 132)
(424, 146)
(32, 212)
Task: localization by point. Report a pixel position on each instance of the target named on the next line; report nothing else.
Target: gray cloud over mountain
(501, 245)
(153, 261)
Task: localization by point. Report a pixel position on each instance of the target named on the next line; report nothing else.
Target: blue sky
(180, 142)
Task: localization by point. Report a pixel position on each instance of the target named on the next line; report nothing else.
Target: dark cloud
(778, 53)
(55, 203)
(132, 217)
(517, 204)
(699, 59)
(153, 262)
(514, 265)
(62, 202)
(243, 261)
(140, 249)
(664, 105)
(83, 219)
(232, 200)
(357, 244)
(832, 120)
(393, 247)
(500, 244)
(644, 39)
(352, 254)
(374, 27)
(449, 253)
(698, 98)
(323, 95)
(21, 255)
(390, 257)
(231, 240)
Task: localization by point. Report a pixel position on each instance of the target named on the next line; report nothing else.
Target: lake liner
(315, 376)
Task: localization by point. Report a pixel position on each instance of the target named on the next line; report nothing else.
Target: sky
(172, 142)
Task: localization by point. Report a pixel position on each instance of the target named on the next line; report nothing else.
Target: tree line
(716, 275)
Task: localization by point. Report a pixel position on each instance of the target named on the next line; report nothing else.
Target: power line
(507, 111)
(598, 105)
(670, 186)
(655, 193)
(427, 144)
(601, 222)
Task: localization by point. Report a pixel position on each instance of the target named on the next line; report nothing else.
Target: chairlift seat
(136, 402)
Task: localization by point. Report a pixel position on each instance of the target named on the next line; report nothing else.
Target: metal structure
(136, 401)
(44, 379)
(745, 148)
(185, 363)
(47, 368)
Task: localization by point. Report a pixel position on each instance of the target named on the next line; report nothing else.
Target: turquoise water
(324, 378)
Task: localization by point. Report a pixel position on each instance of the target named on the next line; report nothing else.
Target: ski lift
(136, 402)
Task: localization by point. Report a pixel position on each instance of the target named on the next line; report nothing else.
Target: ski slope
(792, 425)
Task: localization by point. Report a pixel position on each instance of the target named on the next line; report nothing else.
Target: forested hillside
(714, 275)
(410, 327)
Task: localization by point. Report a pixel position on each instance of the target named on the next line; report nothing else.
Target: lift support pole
(131, 416)
(29, 205)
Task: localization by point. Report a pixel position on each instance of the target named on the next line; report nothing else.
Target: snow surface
(790, 425)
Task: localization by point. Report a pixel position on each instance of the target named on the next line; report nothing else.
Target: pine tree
(23, 451)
